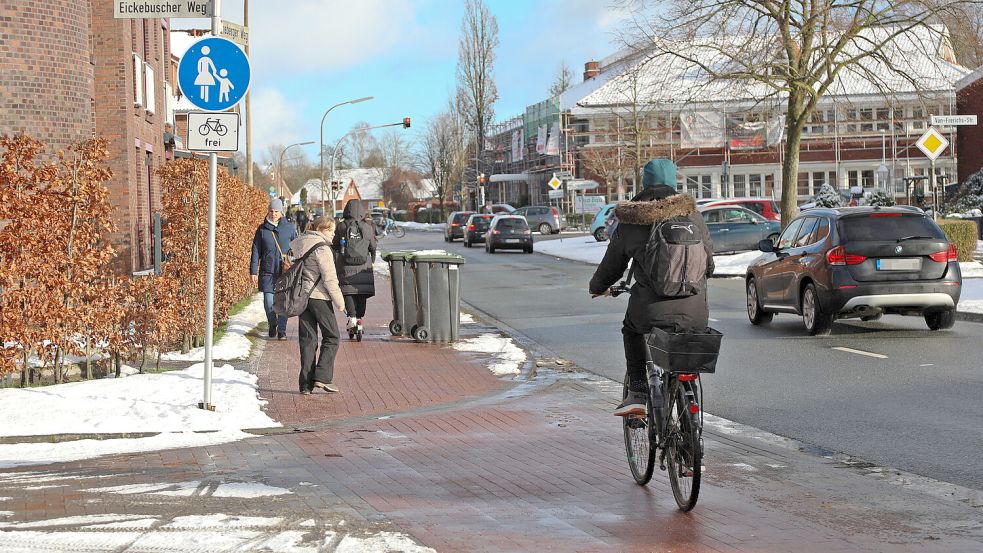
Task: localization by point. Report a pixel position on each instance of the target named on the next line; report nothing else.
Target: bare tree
(442, 154)
(361, 146)
(475, 70)
(394, 152)
(965, 24)
(610, 164)
(563, 80)
(791, 51)
(633, 117)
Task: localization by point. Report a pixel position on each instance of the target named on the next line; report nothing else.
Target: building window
(803, 185)
(740, 186)
(137, 80)
(151, 90)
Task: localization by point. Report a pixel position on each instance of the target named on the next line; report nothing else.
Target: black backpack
(675, 258)
(357, 241)
(292, 290)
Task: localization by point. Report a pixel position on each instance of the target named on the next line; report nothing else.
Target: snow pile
(466, 318)
(581, 248)
(380, 267)
(165, 403)
(234, 344)
(508, 356)
(734, 265)
(247, 490)
(971, 269)
(971, 299)
(422, 227)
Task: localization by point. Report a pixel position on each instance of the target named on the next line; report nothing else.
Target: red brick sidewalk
(382, 374)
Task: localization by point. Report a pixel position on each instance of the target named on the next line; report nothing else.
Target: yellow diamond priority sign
(554, 183)
(932, 143)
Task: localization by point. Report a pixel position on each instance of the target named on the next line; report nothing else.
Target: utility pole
(249, 113)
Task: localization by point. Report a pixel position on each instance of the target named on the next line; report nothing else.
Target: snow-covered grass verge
(971, 269)
(971, 298)
(422, 227)
(163, 402)
(508, 357)
(234, 345)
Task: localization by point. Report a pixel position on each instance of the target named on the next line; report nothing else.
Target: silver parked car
(545, 219)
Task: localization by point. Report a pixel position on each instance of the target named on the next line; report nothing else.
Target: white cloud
(275, 120)
(309, 36)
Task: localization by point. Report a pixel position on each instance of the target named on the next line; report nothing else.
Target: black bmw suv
(856, 262)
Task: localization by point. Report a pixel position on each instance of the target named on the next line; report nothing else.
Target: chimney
(591, 70)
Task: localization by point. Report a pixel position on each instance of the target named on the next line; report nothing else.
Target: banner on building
(553, 141)
(517, 145)
(541, 140)
(701, 129)
(776, 130)
(746, 135)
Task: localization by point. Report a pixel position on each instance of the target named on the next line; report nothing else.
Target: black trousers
(319, 315)
(355, 305)
(635, 356)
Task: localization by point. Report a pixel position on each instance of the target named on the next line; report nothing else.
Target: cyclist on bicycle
(657, 202)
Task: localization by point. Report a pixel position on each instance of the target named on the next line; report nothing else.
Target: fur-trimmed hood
(648, 213)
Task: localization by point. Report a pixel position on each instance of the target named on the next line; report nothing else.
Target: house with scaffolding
(727, 140)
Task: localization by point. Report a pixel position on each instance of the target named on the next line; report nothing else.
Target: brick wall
(46, 74)
(135, 131)
(969, 101)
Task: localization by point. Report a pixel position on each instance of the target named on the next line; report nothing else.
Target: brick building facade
(969, 101)
(70, 71)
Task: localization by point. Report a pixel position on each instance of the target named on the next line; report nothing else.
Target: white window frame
(151, 89)
(137, 80)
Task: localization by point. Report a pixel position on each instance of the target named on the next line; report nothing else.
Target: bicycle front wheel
(398, 232)
(684, 454)
(638, 442)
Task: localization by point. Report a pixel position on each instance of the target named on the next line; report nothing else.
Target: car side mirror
(766, 246)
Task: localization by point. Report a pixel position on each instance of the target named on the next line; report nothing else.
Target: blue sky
(310, 54)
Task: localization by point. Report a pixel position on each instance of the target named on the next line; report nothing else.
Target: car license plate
(899, 264)
(513, 241)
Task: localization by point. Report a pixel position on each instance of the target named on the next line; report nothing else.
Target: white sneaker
(352, 323)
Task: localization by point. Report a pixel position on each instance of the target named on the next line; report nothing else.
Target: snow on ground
(734, 264)
(214, 532)
(243, 490)
(971, 299)
(165, 402)
(588, 250)
(466, 318)
(234, 344)
(971, 269)
(380, 267)
(508, 356)
(422, 227)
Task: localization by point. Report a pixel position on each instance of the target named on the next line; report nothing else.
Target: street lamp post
(320, 153)
(405, 123)
(283, 181)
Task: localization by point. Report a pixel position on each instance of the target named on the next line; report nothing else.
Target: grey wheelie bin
(403, 291)
(438, 296)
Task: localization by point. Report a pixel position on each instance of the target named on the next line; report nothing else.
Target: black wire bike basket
(685, 352)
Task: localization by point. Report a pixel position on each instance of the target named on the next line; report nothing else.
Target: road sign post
(214, 76)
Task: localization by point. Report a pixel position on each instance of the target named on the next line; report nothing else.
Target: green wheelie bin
(403, 291)
(437, 276)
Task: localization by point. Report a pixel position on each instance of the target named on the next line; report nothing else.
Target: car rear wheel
(600, 234)
(755, 314)
(545, 228)
(817, 322)
(941, 320)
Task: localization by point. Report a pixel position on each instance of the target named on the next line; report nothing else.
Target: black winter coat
(645, 308)
(355, 279)
(266, 260)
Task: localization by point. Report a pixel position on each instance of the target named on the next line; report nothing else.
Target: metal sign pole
(210, 272)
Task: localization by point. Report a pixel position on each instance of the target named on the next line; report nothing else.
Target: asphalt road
(916, 406)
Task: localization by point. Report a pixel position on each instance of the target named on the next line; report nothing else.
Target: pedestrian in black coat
(357, 281)
(270, 242)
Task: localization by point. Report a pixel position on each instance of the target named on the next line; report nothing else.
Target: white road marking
(927, 365)
(861, 352)
(712, 320)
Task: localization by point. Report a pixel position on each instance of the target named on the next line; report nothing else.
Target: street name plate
(154, 9)
(555, 194)
(213, 132)
(581, 184)
(236, 33)
(952, 120)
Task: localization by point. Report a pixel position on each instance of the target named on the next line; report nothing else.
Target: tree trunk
(158, 360)
(143, 359)
(56, 367)
(25, 373)
(119, 364)
(88, 359)
(790, 169)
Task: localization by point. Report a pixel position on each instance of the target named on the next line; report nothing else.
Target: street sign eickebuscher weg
(163, 9)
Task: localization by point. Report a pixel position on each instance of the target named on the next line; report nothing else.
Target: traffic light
(406, 122)
(481, 178)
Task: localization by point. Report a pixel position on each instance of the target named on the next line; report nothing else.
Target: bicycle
(395, 230)
(672, 433)
(212, 125)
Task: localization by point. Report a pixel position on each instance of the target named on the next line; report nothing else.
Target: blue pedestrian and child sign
(214, 74)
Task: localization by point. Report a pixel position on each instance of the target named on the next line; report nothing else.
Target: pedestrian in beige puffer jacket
(320, 313)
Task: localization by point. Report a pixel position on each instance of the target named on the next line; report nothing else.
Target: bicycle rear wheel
(684, 454)
(398, 232)
(638, 443)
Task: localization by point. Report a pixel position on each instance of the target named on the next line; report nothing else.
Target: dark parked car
(852, 262)
(455, 225)
(508, 232)
(735, 228)
(545, 219)
(476, 228)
